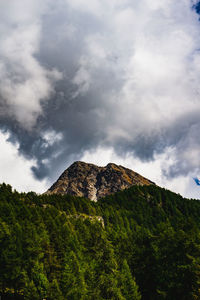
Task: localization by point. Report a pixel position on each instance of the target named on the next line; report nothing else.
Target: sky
(100, 81)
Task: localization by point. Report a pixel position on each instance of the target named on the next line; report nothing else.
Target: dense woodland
(145, 246)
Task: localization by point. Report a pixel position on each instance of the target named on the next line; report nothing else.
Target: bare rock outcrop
(93, 182)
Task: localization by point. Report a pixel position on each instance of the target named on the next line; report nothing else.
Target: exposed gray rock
(93, 182)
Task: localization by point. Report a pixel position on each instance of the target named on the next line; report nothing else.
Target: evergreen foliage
(141, 243)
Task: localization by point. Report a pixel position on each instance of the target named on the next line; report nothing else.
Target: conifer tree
(128, 285)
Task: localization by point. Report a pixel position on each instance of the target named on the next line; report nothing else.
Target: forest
(140, 243)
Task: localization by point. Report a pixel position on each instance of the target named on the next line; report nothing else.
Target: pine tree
(54, 291)
(72, 279)
(128, 285)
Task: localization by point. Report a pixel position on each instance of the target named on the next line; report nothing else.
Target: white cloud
(155, 47)
(51, 137)
(24, 81)
(157, 64)
(91, 6)
(133, 67)
(16, 170)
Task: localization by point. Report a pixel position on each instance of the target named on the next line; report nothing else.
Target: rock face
(93, 182)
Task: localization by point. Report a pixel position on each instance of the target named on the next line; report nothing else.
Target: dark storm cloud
(121, 74)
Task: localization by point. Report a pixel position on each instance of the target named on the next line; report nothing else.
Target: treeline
(142, 243)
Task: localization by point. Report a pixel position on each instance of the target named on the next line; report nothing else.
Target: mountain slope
(57, 247)
(93, 182)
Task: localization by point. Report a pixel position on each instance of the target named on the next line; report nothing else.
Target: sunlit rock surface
(93, 182)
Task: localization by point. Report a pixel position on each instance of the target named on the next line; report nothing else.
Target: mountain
(142, 243)
(93, 182)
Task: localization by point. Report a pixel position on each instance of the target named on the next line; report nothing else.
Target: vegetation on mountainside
(57, 247)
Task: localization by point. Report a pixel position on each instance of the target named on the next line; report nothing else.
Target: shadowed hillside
(141, 243)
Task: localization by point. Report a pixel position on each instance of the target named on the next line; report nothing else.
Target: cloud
(25, 83)
(84, 75)
(16, 170)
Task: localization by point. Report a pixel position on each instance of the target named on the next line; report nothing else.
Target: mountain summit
(93, 182)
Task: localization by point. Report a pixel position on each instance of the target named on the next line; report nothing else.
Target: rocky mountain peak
(93, 182)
